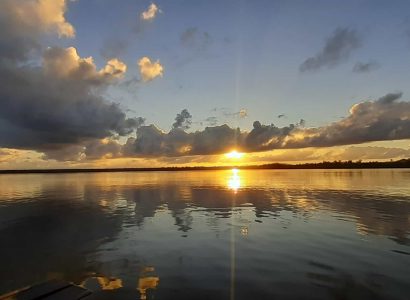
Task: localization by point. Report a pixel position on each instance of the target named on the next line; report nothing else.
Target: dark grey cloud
(58, 102)
(361, 67)
(44, 109)
(383, 119)
(281, 116)
(23, 23)
(336, 50)
(386, 118)
(183, 120)
(17, 39)
(151, 141)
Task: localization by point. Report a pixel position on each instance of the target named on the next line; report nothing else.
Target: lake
(232, 234)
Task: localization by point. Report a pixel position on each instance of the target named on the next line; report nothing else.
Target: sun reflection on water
(234, 180)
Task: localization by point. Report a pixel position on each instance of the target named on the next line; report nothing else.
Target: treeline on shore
(402, 163)
(338, 164)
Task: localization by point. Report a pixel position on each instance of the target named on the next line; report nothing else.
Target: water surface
(262, 234)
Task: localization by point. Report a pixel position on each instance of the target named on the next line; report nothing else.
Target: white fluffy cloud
(149, 70)
(41, 15)
(151, 12)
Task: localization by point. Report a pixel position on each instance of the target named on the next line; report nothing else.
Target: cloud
(150, 70)
(45, 15)
(58, 101)
(22, 23)
(66, 63)
(281, 116)
(88, 150)
(114, 68)
(353, 153)
(361, 67)
(383, 119)
(52, 101)
(336, 50)
(151, 141)
(302, 123)
(211, 121)
(372, 152)
(150, 13)
(183, 120)
(242, 113)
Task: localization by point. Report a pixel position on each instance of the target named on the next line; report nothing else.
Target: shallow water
(262, 234)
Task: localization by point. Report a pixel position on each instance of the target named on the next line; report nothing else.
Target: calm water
(336, 234)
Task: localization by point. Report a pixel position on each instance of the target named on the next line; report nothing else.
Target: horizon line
(347, 164)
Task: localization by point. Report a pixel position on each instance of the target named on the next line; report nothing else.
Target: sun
(234, 155)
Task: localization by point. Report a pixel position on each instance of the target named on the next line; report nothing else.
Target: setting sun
(234, 154)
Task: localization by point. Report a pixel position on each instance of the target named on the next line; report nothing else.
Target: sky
(132, 83)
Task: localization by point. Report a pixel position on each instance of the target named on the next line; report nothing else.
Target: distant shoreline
(399, 164)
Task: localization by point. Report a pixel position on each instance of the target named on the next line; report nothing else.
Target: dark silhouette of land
(402, 163)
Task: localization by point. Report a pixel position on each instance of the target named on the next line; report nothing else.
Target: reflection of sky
(182, 223)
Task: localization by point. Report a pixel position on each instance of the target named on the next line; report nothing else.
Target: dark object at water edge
(50, 290)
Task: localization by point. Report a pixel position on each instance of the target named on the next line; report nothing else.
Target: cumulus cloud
(386, 118)
(58, 102)
(336, 50)
(114, 68)
(183, 120)
(40, 15)
(66, 63)
(383, 119)
(150, 70)
(361, 67)
(56, 105)
(22, 23)
(150, 13)
(151, 141)
(88, 150)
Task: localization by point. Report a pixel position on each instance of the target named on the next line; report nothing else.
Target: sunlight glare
(234, 154)
(234, 181)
